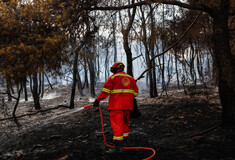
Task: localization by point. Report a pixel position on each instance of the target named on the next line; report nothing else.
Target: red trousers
(119, 120)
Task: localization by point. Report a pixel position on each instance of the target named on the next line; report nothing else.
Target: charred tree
(75, 70)
(151, 47)
(16, 105)
(87, 37)
(80, 89)
(25, 91)
(125, 33)
(35, 92)
(92, 78)
(9, 93)
(86, 84)
(225, 62)
(42, 84)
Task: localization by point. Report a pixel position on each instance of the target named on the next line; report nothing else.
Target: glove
(96, 103)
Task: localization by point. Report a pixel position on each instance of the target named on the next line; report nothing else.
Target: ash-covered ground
(177, 126)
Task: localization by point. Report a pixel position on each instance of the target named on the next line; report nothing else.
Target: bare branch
(119, 7)
(40, 111)
(173, 45)
(183, 5)
(134, 58)
(200, 7)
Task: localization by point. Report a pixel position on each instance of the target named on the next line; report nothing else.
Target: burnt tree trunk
(35, 92)
(147, 56)
(107, 63)
(86, 38)
(225, 63)
(15, 107)
(151, 48)
(92, 78)
(80, 89)
(86, 84)
(176, 70)
(125, 32)
(128, 53)
(42, 86)
(75, 70)
(114, 37)
(25, 91)
(9, 94)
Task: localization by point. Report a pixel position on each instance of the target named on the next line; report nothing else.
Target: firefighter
(122, 89)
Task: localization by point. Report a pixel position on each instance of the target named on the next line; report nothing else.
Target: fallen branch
(169, 48)
(8, 95)
(30, 114)
(205, 131)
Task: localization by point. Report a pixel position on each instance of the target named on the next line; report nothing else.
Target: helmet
(117, 67)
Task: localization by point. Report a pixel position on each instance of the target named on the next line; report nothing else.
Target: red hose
(102, 124)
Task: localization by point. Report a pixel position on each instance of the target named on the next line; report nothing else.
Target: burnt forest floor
(177, 126)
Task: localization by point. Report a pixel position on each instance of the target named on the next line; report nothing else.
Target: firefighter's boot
(118, 146)
(125, 141)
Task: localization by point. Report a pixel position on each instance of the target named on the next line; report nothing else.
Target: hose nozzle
(87, 106)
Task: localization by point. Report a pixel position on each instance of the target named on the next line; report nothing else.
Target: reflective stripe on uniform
(125, 134)
(106, 90)
(125, 75)
(119, 138)
(124, 91)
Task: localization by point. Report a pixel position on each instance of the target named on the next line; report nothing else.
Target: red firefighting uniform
(122, 89)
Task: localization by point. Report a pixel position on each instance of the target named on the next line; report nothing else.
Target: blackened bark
(225, 63)
(25, 91)
(43, 87)
(191, 64)
(40, 83)
(128, 54)
(86, 84)
(155, 93)
(107, 63)
(80, 89)
(15, 107)
(125, 33)
(9, 94)
(2, 81)
(150, 72)
(114, 37)
(75, 70)
(149, 64)
(176, 70)
(35, 92)
(151, 48)
(92, 78)
(85, 40)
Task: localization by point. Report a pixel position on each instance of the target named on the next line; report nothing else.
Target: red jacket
(122, 89)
